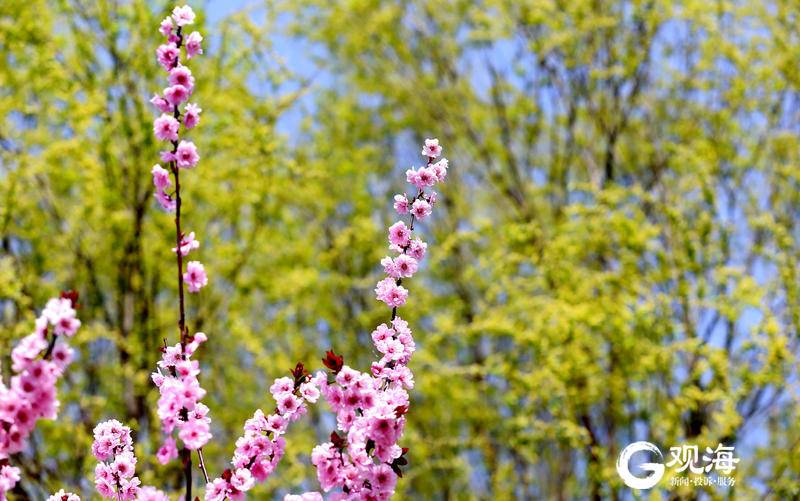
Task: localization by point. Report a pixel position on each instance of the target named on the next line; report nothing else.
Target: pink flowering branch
(370, 409)
(180, 390)
(115, 473)
(262, 445)
(38, 361)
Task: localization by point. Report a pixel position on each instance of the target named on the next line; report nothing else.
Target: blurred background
(613, 258)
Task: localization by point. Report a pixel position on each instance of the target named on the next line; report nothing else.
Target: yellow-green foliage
(613, 258)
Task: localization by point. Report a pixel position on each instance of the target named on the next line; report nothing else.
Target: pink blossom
(187, 369)
(310, 392)
(390, 293)
(392, 348)
(124, 465)
(440, 169)
(62, 495)
(404, 376)
(421, 178)
(176, 94)
(9, 476)
(194, 433)
(67, 326)
(276, 424)
(160, 177)
(104, 485)
(188, 243)
(389, 268)
(183, 15)
(62, 356)
(191, 115)
(166, 128)
(432, 148)
(167, 156)
(412, 176)
(346, 376)
(405, 265)
(165, 201)
(195, 276)
(151, 494)
(198, 339)
(180, 409)
(261, 447)
(401, 204)
(382, 333)
(56, 309)
(370, 407)
(179, 403)
(28, 349)
(216, 490)
(129, 489)
(110, 438)
(399, 234)
(421, 209)
(181, 75)
(243, 480)
(416, 249)
(166, 27)
(186, 155)
(167, 55)
(193, 46)
(161, 104)
(281, 386)
(168, 451)
(288, 404)
(383, 479)
(426, 177)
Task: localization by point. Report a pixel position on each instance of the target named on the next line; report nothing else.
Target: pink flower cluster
(179, 405)
(261, 447)
(115, 474)
(38, 362)
(410, 251)
(370, 414)
(113, 448)
(183, 154)
(365, 460)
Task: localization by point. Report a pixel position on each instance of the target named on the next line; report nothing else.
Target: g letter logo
(656, 469)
